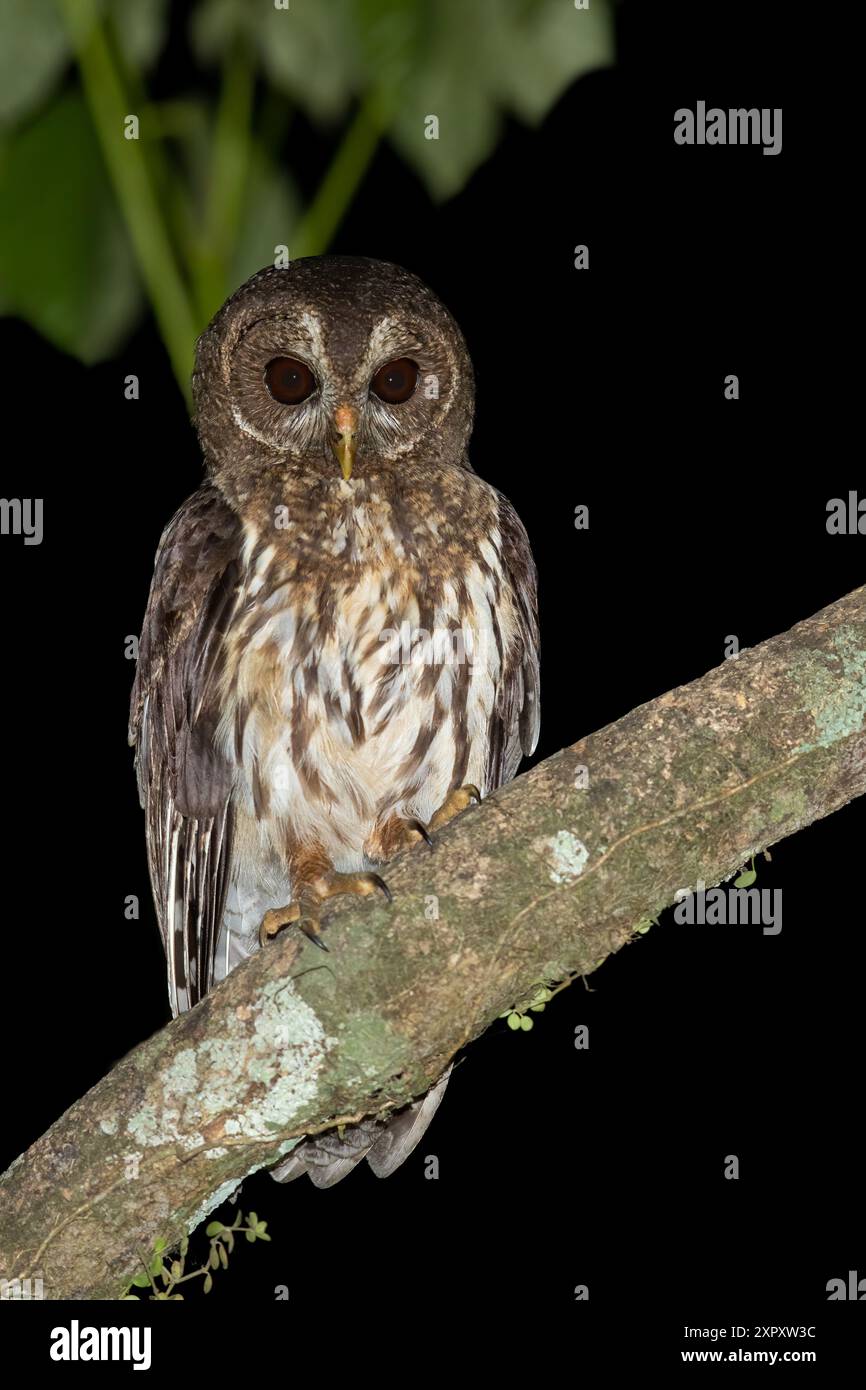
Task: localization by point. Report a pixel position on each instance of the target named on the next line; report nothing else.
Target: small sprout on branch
(645, 923)
(222, 1243)
(517, 1018)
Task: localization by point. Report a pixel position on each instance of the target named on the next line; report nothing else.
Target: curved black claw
(415, 824)
(382, 885)
(313, 933)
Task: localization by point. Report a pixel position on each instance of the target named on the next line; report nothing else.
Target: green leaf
(159, 1245)
(34, 50)
(208, 1283)
(141, 1281)
(35, 47)
(391, 38)
(486, 59)
(514, 1021)
(526, 1024)
(66, 265)
(213, 1228)
(308, 51)
(747, 878)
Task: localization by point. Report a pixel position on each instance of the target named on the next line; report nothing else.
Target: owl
(340, 648)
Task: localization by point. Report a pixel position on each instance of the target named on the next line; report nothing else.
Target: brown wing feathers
(514, 725)
(184, 781)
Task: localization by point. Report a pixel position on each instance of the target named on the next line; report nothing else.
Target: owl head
(336, 364)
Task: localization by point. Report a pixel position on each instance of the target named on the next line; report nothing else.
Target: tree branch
(544, 880)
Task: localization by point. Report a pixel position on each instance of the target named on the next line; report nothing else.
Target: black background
(604, 387)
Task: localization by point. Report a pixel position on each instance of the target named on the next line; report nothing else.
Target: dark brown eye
(396, 381)
(289, 381)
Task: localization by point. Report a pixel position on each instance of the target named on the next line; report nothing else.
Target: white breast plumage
(351, 710)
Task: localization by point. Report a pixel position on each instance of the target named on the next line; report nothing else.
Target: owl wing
(184, 780)
(514, 724)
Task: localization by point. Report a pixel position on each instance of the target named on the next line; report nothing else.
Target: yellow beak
(346, 452)
(346, 420)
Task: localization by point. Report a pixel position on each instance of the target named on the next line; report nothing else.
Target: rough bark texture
(546, 878)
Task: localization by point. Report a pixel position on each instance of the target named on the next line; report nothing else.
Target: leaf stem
(340, 183)
(229, 169)
(127, 167)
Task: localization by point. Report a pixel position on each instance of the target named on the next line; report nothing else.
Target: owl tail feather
(384, 1143)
